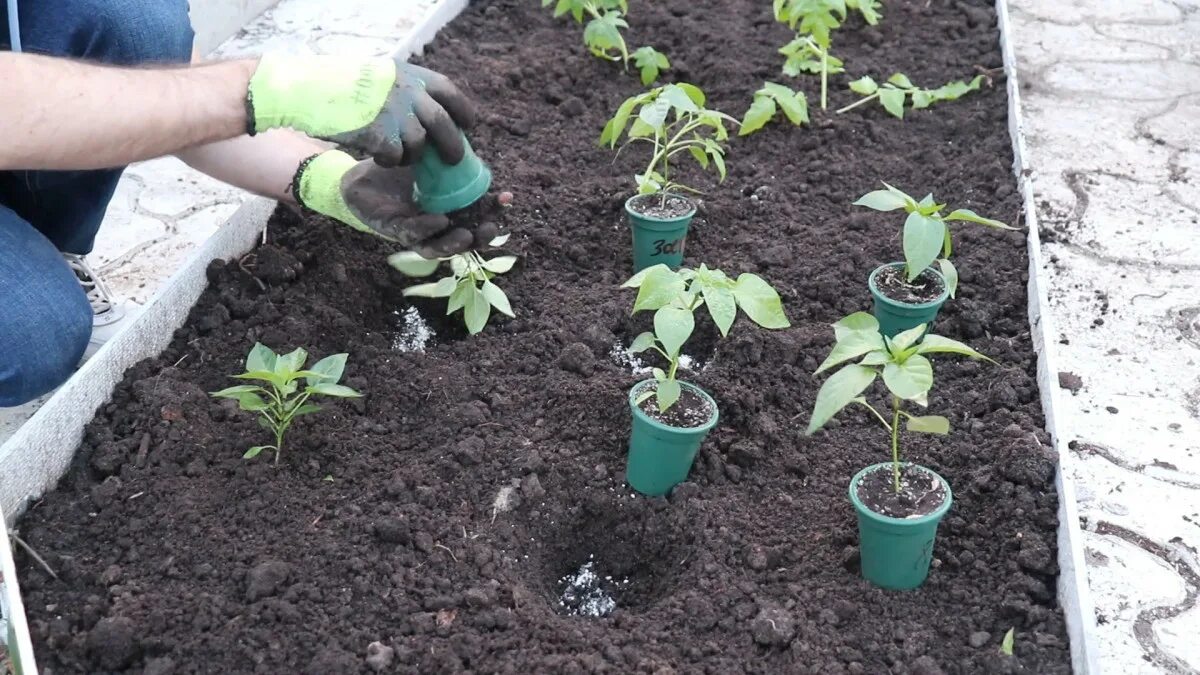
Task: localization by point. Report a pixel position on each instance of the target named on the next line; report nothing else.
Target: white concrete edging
(1074, 596)
(215, 21)
(39, 453)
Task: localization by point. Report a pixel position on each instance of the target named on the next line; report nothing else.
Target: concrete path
(1111, 93)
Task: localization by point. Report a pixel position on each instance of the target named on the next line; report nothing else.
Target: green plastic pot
(442, 188)
(895, 316)
(895, 552)
(660, 456)
(658, 240)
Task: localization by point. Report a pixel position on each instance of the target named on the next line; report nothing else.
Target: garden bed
(443, 514)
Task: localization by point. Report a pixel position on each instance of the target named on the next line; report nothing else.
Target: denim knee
(131, 32)
(43, 344)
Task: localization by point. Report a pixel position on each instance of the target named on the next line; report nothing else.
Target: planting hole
(412, 332)
(638, 364)
(586, 592)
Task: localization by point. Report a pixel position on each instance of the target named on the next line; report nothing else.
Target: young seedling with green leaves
(902, 363)
(926, 234)
(810, 54)
(672, 119)
(771, 98)
(674, 296)
(286, 391)
(602, 34)
(898, 89)
(469, 286)
(650, 63)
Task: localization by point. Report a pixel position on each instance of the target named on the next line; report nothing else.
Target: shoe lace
(98, 294)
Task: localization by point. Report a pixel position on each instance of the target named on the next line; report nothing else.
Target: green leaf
(499, 241)
(864, 85)
(793, 103)
(908, 338)
(234, 392)
(910, 379)
(971, 216)
(641, 343)
(497, 298)
(923, 237)
(306, 409)
(328, 369)
(693, 92)
(1006, 645)
(261, 358)
(500, 264)
(635, 281)
(936, 344)
(654, 115)
(762, 109)
(838, 391)
(458, 299)
(876, 358)
(901, 80)
(254, 452)
(881, 200)
(759, 301)
(673, 326)
(659, 287)
(950, 274)
(667, 394)
(442, 288)
(659, 374)
(476, 311)
(893, 101)
(330, 389)
(410, 263)
(929, 424)
(851, 344)
(650, 63)
(291, 362)
(855, 322)
(616, 126)
(251, 402)
(699, 155)
(722, 306)
(644, 396)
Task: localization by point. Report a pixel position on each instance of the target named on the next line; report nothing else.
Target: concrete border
(1074, 596)
(215, 21)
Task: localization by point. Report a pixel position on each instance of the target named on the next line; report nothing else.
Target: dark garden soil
(893, 282)
(440, 514)
(920, 494)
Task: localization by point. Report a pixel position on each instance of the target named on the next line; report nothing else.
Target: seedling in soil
(650, 63)
(674, 296)
(1006, 645)
(282, 399)
(602, 34)
(672, 119)
(898, 89)
(906, 372)
(925, 231)
(767, 101)
(469, 286)
(810, 54)
(824, 15)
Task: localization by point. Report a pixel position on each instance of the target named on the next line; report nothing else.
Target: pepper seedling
(925, 231)
(602, 34)
(810, 54)
(469, 286)
(901, 362)
(673, 119)
(650, 63)
(898, 89)
(675, 295)
(282, 400)
(771, 98)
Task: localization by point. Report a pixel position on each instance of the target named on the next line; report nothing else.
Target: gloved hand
(381, 106)
(378, 200)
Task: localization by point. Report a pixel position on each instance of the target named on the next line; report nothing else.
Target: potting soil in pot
(893, 282)
(382, 522)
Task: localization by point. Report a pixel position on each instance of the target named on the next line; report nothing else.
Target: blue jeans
(45, 318)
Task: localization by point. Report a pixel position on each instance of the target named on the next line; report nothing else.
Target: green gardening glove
(384, 107)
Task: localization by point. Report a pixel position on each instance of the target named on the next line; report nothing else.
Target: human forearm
(264, 164)
(61, 114)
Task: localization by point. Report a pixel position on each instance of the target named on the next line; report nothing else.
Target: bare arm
(61, 114)
(264, 164)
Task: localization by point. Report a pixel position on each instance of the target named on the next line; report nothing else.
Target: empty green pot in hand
(896, 552)
(442, 188)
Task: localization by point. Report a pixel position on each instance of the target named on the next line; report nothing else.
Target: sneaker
(108, 311)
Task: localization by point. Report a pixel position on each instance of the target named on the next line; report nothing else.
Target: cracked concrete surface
(1111, 93)
(163, 210)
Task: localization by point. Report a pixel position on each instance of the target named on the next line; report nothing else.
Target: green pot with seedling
(899, 504)
(911, 293)
(671, 418)
(286, 390)
(671, 119)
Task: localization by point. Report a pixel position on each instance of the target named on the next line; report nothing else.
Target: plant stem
(896, 443)
(824, 79)
(278, 445)
(857, 103)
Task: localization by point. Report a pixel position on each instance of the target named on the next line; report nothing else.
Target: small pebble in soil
(414, 333)
(586, 593)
